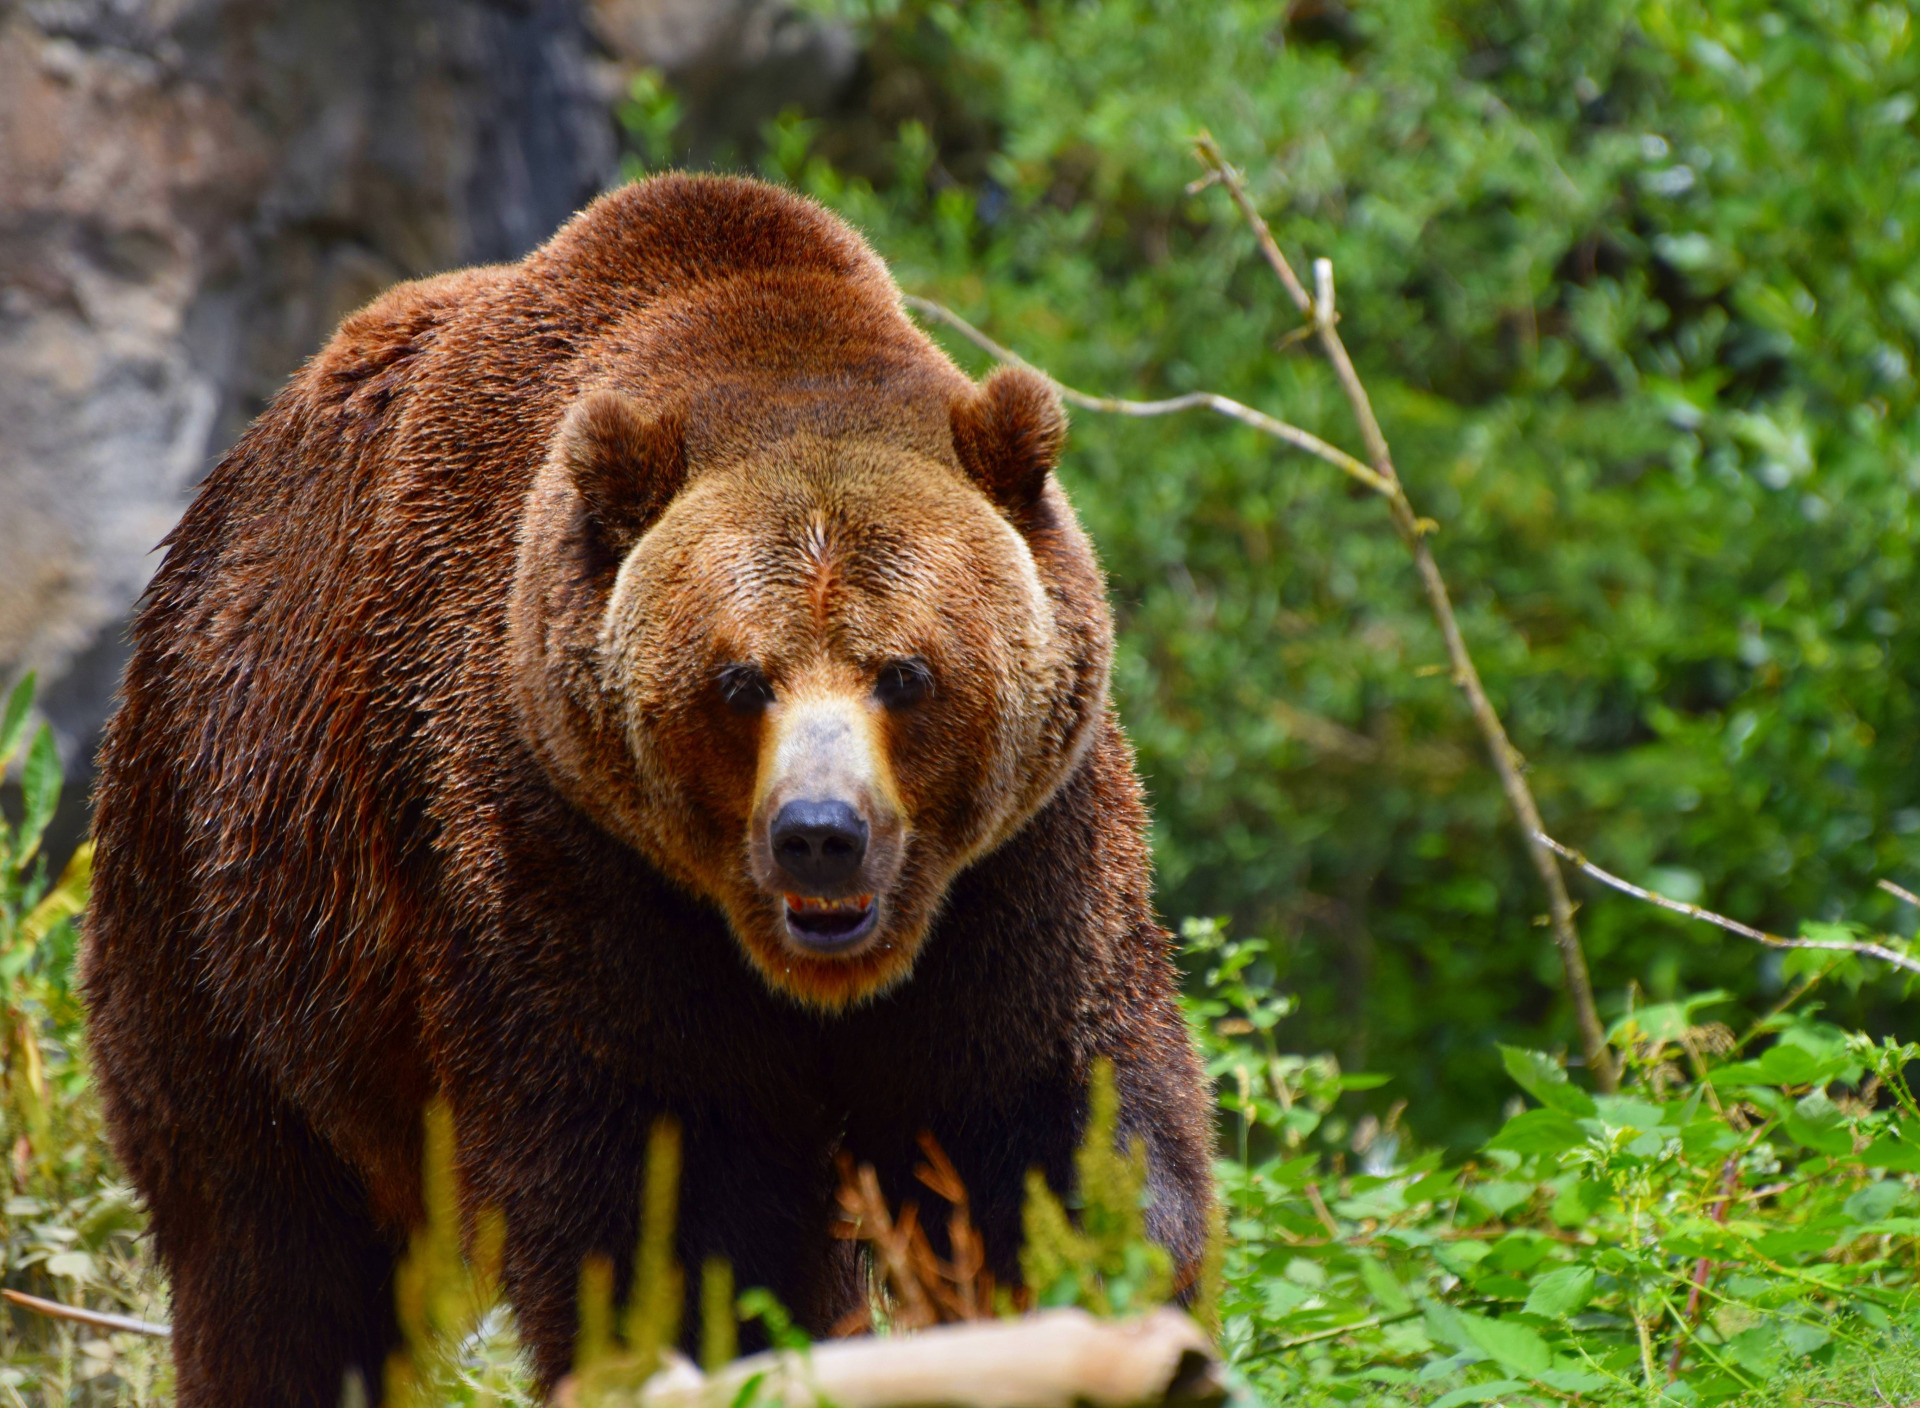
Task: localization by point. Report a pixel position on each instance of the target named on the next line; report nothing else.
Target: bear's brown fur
(472, 720)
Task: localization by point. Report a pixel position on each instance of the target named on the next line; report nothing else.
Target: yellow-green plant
(446, 1284)
(1102, 1259)
(69, 1229)
(609, 1367)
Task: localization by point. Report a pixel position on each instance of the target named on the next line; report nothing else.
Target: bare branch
(1507, 761)
(1192, 401)
(1862, 947)
(1215, 160)
(100, 1319)
(1413, 530)
(1906, 896)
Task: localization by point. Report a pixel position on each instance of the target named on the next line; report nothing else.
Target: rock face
(192, 192)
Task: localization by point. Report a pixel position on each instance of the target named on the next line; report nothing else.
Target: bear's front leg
(569, 1178)
(1039, 1123)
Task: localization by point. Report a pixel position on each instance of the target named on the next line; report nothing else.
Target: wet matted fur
(427, 778)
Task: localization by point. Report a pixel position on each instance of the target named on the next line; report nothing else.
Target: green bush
(1743, 1212)
(68, 1225)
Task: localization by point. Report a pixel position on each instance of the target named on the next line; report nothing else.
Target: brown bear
(647, 679)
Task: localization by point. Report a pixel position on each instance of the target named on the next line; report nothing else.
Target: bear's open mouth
(829, 924)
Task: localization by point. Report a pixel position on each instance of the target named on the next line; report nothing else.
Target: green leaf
(1757, 1350)
(1480, 1393)
(1819, 1124)
(1664, 1021)
(1382, 1285)
(1795, 1065)
(39, 791)
(1739, 1073)
(1542, 1077)
(13, 719)
(1625, 1112)
(1876, 1200)
(1514, 1346)
(1500, 1196)
(1801, 1338)
(1573, 1381)
(1561, 1292)
(1541, 1131)
(66, 899)
(1892, 1151)
(77, 1266)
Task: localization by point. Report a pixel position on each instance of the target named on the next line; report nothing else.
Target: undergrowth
(1736, 1226)
(68, 1225)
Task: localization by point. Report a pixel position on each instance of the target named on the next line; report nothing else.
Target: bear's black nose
(820, 844)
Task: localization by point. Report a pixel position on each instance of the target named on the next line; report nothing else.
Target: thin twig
(1703, 1268)
(1862, 947)
(1373, 1323)
(1192, 401)
(1908, 896)
(1507, 762)
(100, 1319)
(1321, 1211)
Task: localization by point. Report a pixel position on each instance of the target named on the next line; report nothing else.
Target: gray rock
(192, 193)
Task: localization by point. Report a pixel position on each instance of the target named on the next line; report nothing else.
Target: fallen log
(1054, 1359)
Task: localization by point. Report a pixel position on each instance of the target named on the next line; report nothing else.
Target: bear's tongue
(828, 919)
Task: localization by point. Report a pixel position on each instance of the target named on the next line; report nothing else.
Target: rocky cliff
(193, 192)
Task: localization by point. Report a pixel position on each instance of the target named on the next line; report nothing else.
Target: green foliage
(69, 1229)
(1631, 283)
(1739, 1217)
(608, 1367)
(444, 1288)
(1100, 1259)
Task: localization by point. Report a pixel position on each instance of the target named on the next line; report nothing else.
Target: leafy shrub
(68, 1226)
(1742, 1211)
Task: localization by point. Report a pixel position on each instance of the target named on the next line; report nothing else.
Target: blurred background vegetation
(1636, 290)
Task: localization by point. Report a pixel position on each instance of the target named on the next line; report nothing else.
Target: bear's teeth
(806, 904)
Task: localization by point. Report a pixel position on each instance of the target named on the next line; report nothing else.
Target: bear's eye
(745, 689)
(902, 683)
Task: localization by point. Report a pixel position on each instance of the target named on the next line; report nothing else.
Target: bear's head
(812, 664)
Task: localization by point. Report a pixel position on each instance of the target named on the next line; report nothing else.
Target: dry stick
(1703, 1268)
(1907, 896)
(1192, 401)
(1055, 1359)
(1507, 762)
(97, 1318)
(1863, 947)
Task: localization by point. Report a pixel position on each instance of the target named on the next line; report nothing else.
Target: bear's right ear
(625, 464)
(1008, 435)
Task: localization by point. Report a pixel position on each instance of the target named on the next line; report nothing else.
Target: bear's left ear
(625, 464)
(1008, 435)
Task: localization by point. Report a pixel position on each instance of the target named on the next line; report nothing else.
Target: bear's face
(826, 676)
